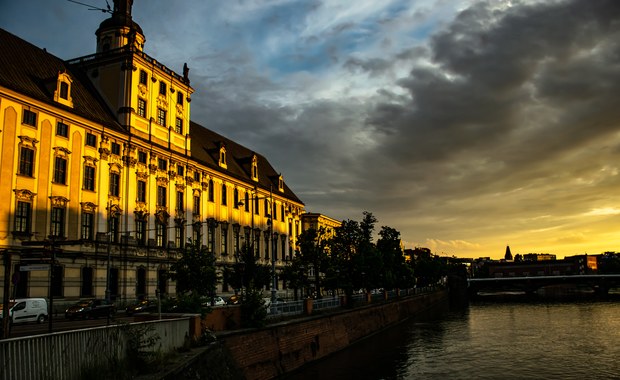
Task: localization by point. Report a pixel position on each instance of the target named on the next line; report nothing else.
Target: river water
(488, 340)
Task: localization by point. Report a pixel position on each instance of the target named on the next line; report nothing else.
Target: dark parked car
(90, 309)
(143, 306)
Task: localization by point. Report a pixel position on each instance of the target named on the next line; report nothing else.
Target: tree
(195, 271)
(294, 275)
(395, 271)
(250, 276)
(313, 253)
(195, 275)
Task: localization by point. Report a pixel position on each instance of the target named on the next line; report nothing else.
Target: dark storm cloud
(529, 84)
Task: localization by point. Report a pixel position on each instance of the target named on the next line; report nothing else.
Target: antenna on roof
(93, 8)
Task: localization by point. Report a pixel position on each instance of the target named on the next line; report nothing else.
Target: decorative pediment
(88, 160)
(58, 201)
(161, 215)
(162, 181)
(142, 175)
(27, 141)
(60, 151)
(88, 206)
(24, 195)
(114, 210)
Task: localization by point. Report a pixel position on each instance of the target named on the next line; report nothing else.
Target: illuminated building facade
(104, 171)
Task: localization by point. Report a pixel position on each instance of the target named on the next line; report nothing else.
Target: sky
(468, 126)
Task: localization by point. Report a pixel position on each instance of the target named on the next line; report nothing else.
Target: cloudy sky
(465, 125)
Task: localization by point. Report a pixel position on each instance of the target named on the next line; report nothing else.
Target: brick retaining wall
(286, 346)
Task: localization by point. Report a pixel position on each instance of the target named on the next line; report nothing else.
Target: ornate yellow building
(103, 170)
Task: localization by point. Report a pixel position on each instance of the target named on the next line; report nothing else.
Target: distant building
(313, 220)
(532, 268)
(417, 253)
(538, 257)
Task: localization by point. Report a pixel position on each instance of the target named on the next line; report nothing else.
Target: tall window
(256, 205)
(178, 236)
(141, 191)
(62, 129)
(115, 228)
(29, 118)
(87, 282)
(267, 212)
(211, 191)
(162, 164)
(141, 232)
(161, 196)
(142, 77)
(236, 198)
(196, 209)
(141, 107)
(141, 157)
(197, 176)
(274, 211)
(89, 177)
(60, 170)
(180, 98)
(160, 234)
(87, 225)
(162, 88)
(178, 126)
(211, 237)
(115, 184)
(58, 222)
(179, 205)
(181, 170)
(196, 232)
(23, 217)
(26, 161)
(224, 241)
(247, 201)
(224, 195)
(236, 239)
(161, 116)
(116, 149)
(91, 140)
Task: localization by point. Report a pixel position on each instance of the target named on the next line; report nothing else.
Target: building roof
(206, 150)
(33, 72)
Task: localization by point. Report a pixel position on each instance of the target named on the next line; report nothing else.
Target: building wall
(132, 152)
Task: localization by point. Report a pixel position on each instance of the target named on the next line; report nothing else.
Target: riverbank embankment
(283, 347)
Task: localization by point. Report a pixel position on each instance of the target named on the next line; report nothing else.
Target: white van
(23, 310)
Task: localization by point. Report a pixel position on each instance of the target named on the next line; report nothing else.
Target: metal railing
(65, 355)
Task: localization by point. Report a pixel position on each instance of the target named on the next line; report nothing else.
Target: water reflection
(488, 341)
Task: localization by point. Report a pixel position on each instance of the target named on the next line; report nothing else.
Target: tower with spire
(149, 99)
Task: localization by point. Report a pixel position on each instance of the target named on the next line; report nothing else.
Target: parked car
(215, 301)
(233, 300)
(143, 306)
(23, 310)
(90, 309)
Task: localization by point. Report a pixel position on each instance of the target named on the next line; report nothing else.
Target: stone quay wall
(286, 346)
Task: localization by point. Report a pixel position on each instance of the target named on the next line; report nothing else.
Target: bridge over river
(599, 283)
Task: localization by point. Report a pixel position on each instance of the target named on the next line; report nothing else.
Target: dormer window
(62, 94)
(223, 156)
(280, 183)
(254, 168)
